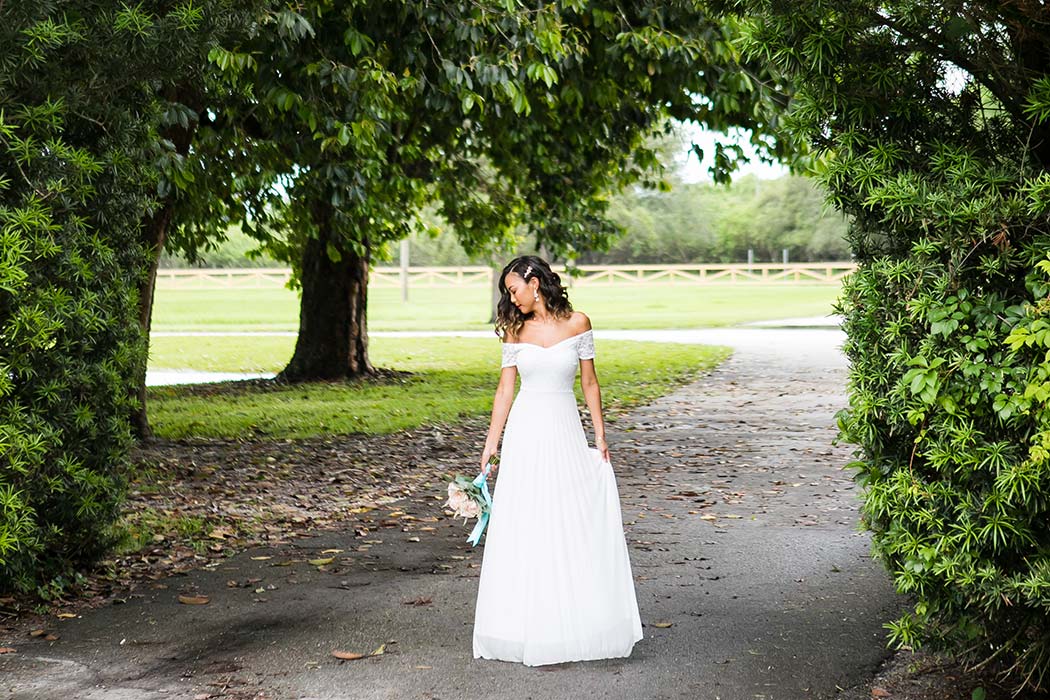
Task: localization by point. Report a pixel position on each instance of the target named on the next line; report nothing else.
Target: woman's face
(522, 293)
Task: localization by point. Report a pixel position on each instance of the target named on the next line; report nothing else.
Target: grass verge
(619, 306)
(436, 380)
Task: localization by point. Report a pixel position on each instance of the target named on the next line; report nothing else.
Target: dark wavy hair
(508, 317)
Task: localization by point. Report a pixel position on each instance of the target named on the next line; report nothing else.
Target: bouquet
(471, 499)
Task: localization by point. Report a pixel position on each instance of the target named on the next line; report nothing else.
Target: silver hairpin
(527, 271)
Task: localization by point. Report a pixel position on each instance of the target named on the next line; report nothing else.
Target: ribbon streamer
(481, 481)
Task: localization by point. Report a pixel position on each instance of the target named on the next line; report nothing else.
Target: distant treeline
(691, 223)
(707, 223)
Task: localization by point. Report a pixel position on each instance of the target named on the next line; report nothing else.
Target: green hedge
(950, 374)
(77, 143)
(930, 127)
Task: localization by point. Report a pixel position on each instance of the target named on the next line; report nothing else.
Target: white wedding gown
(556, 580)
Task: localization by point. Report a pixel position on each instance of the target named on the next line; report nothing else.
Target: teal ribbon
(481, 480)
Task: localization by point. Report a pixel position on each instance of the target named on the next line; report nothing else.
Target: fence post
(404, 269)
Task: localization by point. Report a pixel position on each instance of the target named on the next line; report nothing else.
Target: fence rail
(479, 276)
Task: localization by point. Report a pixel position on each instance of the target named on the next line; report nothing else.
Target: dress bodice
(550, 368)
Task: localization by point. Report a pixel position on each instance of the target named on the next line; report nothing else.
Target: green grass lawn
(617, 306)
(452, 379)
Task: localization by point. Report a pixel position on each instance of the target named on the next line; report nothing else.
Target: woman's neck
(543, 318)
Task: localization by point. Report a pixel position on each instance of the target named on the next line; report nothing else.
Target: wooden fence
(589, 275)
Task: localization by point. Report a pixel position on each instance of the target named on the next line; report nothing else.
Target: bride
(556, 580)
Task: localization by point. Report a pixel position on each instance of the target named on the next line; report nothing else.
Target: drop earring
(535, 295)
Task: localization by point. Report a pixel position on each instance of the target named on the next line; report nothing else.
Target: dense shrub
(948, 386)
(76, 128)
(930, 129)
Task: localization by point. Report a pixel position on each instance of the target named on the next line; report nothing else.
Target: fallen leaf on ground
(194, 599)
(221, 533)
(332, 551)
(347, 655)
(8, 650)
(663, 625)
(321, 562)
(380, 650)
(261, 558)
(880, 693)
(38, 633)
(418, 601)
(65, 616)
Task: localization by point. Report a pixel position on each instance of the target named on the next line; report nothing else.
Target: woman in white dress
(556, 580)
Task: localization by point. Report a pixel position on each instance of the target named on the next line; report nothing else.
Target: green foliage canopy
(499, 114)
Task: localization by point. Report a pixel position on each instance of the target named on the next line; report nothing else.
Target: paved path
(742, 529)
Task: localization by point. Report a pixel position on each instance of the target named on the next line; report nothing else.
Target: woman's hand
(486, 455)
(603, 447)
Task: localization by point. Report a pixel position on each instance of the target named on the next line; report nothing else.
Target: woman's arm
(592, 394)
(500, 410)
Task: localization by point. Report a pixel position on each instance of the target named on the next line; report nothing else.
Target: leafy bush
(949, 378)
(75, 182)
(931, 131)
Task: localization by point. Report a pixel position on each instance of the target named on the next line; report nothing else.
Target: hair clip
(527, 271)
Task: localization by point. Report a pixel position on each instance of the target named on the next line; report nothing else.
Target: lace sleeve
(510, 355)
(585, 346)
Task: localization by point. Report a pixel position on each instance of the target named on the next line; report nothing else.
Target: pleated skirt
(556, 581)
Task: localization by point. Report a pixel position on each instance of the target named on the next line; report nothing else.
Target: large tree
(343, 127)
(502, 115)
(931, 128)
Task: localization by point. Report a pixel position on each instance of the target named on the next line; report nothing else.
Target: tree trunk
(497, 268)
(154, 233)
(333, 333)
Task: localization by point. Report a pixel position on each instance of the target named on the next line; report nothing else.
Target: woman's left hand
(603, 447)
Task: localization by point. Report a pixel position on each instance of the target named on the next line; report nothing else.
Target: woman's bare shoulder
(579, 322)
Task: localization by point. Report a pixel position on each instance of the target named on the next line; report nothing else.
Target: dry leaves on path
(197, 502)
